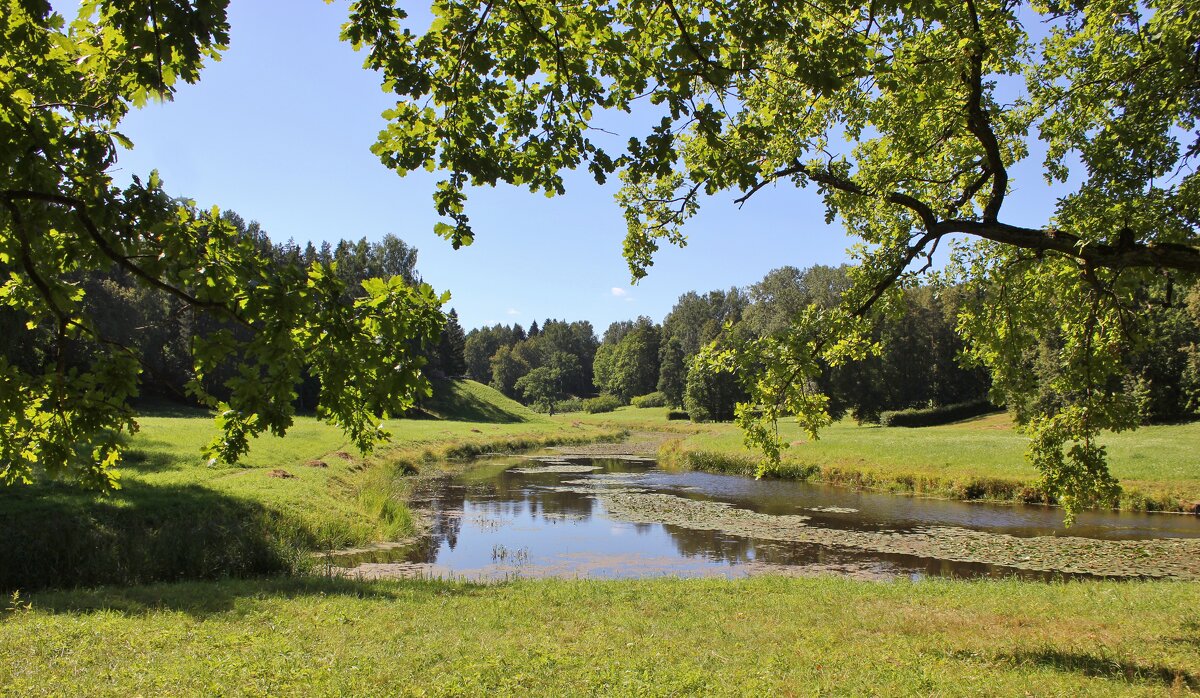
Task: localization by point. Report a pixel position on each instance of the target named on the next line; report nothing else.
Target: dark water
(497, 523)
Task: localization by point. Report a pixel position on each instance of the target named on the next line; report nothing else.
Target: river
(617, 517)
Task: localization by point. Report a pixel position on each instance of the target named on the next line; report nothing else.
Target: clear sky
(280, 131)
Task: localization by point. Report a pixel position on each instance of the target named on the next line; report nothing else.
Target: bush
(604, 403)
(677, 414)
(569, 405)
(655, 399)
(932, 416)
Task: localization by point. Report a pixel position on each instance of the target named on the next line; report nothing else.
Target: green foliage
(713, 392)
(626, 363)
(569, 405)
(655, 399)
(676, 415)
(932, 416)
(543, 386)
(68, 85)
(602, 403)
(449, 359)
(906, 120)
(672, 372)
(567, 350)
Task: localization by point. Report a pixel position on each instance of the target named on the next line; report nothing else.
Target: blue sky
(280, 131)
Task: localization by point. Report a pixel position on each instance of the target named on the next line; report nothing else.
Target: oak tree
(64, 88)
(905, 118)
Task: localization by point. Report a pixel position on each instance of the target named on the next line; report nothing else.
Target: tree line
(161, 329)
(918, 359)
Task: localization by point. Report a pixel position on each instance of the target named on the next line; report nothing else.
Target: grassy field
(762, 636)
(981, 458)
(178, 518)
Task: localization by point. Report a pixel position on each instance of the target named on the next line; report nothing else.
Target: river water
(625, 517)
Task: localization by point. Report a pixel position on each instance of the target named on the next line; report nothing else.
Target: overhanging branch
(121, 260)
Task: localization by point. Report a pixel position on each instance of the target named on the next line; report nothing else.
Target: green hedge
(933, 416)
(655, 399)
(677, 414)
(604, 403)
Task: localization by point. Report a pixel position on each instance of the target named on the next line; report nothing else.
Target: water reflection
(554, 523)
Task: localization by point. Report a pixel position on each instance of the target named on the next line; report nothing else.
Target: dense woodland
(562, 365)
(161, 329)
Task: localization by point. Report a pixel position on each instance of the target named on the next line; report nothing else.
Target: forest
(562, 366)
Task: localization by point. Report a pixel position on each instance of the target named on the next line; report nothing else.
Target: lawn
(761, 636)
(1158, 466)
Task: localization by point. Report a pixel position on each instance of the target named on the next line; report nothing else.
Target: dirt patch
(280, 473)
(317, 464)
(343, 455)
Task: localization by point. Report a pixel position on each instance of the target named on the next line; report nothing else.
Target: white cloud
(513, 311)
(621, 293)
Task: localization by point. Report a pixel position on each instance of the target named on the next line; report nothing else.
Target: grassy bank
(763, 636)
(177, 518)
(981, 458)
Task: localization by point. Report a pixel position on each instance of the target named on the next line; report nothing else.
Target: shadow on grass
(1107, 668)
(452, 402)
(202, 599)
(152, 456)
(160, 407)
(60, 537)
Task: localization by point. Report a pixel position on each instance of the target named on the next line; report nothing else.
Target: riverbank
(176, 517)
(763, 636)
(976, 459)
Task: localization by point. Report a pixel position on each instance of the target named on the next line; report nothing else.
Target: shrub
(932, 416)
(569, 405)
(604, 403)
(655, 399)
(677, 414)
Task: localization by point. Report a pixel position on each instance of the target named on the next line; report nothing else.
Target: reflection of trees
(508, 496)
(517, 497)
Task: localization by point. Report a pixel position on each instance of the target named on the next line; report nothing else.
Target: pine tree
(451, 347)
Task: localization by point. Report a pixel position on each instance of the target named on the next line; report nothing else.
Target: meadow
(979, 458)
(238, 608)
(759, 636)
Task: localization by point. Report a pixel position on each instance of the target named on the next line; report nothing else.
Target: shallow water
(614, 518)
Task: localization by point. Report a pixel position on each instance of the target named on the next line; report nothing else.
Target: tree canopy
(906, 118)
(65, 87)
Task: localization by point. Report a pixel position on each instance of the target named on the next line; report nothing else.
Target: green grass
(178, 518)
(468, 401)
(977, 458)
(762, 636)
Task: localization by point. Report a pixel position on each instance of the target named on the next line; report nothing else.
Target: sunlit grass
(762, 636)
(1158, 466)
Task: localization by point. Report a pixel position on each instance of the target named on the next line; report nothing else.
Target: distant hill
(467, 401)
